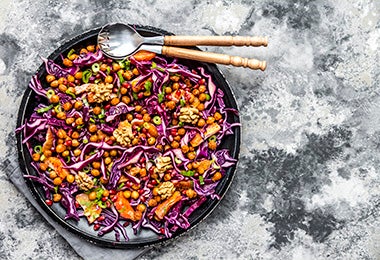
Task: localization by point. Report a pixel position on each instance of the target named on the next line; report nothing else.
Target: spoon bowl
(119, 40)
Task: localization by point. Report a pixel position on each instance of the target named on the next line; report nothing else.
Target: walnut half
(165, 189)
(84, 181)
(189, 115)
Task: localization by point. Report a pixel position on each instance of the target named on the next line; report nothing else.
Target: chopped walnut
(163, 163)
(101, 92)
(189, 115)
(123, 133)
(165, 189)
(84, 181)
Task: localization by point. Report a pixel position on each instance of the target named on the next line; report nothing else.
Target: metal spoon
(121, 40)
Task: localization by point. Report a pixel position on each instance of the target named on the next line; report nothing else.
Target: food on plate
(133, 142)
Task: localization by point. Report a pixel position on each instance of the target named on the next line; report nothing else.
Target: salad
(131, 142)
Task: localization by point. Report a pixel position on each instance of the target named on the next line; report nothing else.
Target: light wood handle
(213, 57)
(216, 40)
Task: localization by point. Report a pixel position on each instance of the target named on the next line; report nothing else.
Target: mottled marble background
(307, 186)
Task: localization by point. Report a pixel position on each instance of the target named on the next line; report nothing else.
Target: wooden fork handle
(213, 57)
(216, 40)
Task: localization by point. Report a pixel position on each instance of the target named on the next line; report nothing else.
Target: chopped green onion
(148, 85)
(160, 69)
(86, 75)
(68, 92)
(70, 53)
(120, 75)
(56, 189)
(154, 65)
(139, 128)
(92, 120)
(86, 169)
(85, 102)
(95, 67)
(208, 97)
(42, 158)
(102, 121)
(134, 94)
(85, 141)
(212, 138)
(101, 116)
(37, 149)
(50, 93)
(180, 123)
(121, 185)
(127, 64)
(182, 102)
(99, 193)
(58, 108)
(177, 161)
(102, 204)
(157, 120)
(187, 173)
(108, 70)
(201, 180)
(121, 64)
(160, 97)
(79, 127)
(44, 109)
(97, 81)
(68, 159)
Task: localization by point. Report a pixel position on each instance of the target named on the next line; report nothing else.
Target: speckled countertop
(307, 186)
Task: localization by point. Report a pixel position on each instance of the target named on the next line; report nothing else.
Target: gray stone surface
(307, 185)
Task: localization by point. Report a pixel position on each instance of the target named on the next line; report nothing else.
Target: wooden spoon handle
(213, 57)
(216, 40)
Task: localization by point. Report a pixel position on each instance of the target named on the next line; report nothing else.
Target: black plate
(144, 237)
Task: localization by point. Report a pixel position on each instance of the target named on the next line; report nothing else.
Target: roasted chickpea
(175, 85)
(127, 194)
(95, 172)
(129, 117)
(61, 134)
(70, 178)
(57, 181)
(135, 71)
(174, 144)
(168, 90)
(217, 116)
(105, 193)
(36, 157)
(61, 115)
(62, 88)
(170, 104)
(83, 51)
(212, 145)
(115, 101)
(93, 138)
(66, 153)
(202, 88)
(217, 176)
(167, 177)
(152, 203)
(91, 48)
(115, 66)
(73, 56)
(155, 191)
(151, 140)
(77, 152)
(53, 175)
(92, 128)
(79, 121)
(70, 120)
(141, 207)
(185, 148)
(201, 107)
(123, 90)
(50, 78)
(135, 195)
(195, 92)
(47, 153)
(54, 84)
(190, 193)
(191, 155)
(103, 67)
(107, 160)
(78, 105)
(67, 106)
(54, 99)
(43, 166)
(97, 110)
(202, 97)
(67, 62)
(181, 131)
(113, 153)
(96, 165)
(138, 108)
(128, 75)
(108, 79)
(78, 75)
(92, 195)
(70, 78)
(60, 148)
(135, 141)
(57, 197)
(210, 120)
(75, 135)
